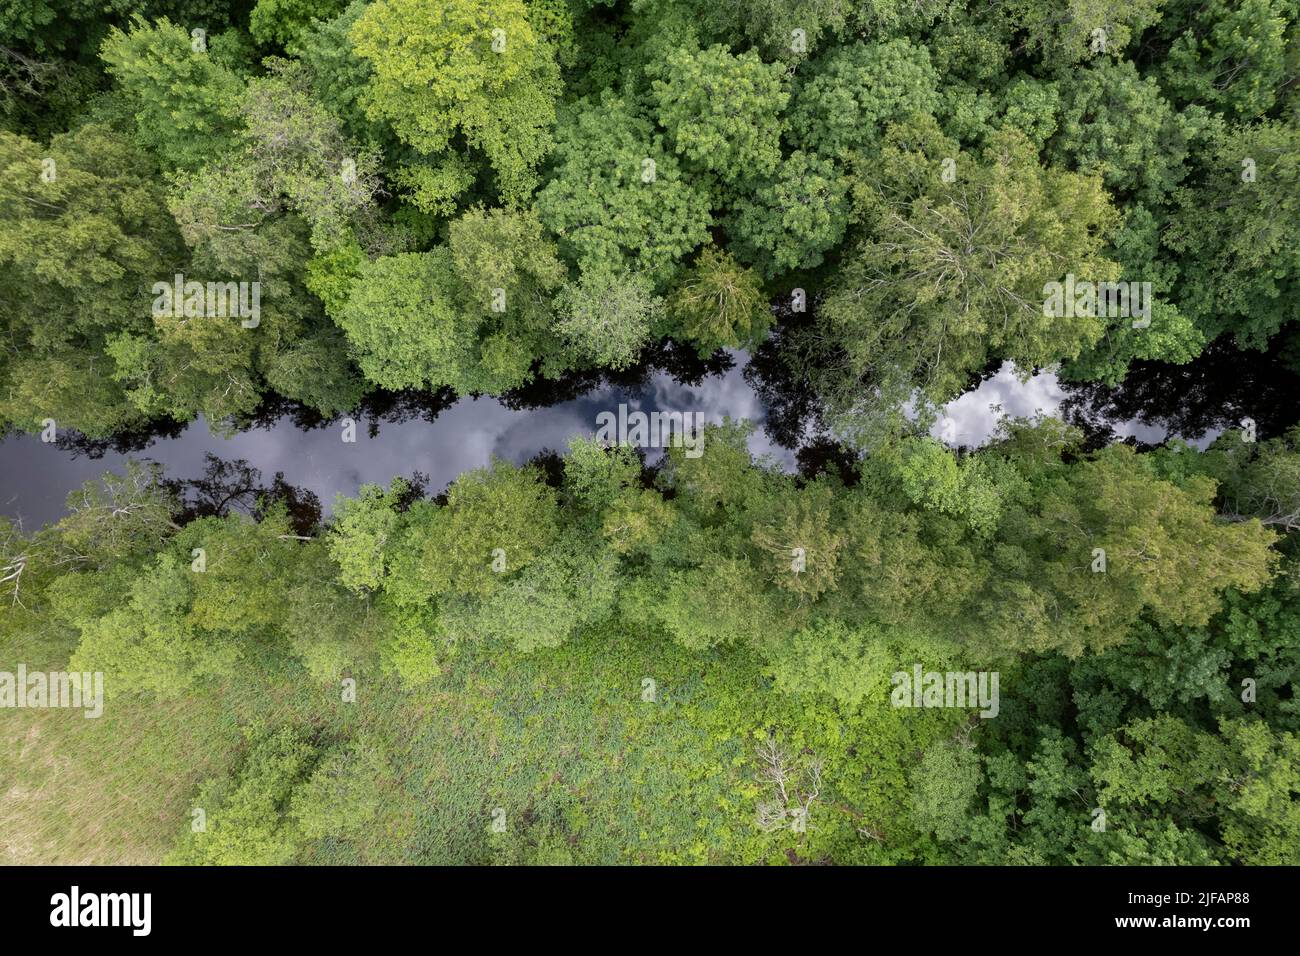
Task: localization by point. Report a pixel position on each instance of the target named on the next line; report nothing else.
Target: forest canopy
(587, 658)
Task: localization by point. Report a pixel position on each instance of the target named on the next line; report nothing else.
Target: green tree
(945, 784)
(722, 111)
(81, 242)
(185, 102)
(247, 568)
(149, 643)
(617, 198)
(246, 823)
(1066, 34)
(955, 274)
(339, 77)
(119, 516)
(770, 25)
(406, 328)
(801, 543)
(1231, 57)
(718, 604)
(606, 317)
(344, 791)
(1257, 479)
(362, 530)
(1236, 779)
(1114, 121)
(279, 22)
(596, 476)
(569, 586)
(1235, 233)
(473, 313)
(719, 304)
(443, 72)
(500, 517)
(856, 90)
(830, 657)
(932, 477)
(1166, 553)
(506, 272)
(329, 630)
(791, 220)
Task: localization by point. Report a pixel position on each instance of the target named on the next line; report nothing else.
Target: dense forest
(591, 657)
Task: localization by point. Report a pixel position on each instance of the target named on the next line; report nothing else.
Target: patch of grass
(561, 742)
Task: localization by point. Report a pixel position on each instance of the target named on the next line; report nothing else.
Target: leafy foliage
(685, 662)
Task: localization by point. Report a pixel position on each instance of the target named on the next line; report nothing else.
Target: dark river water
(300, 458)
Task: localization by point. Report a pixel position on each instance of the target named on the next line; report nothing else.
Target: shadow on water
(680, 362)
(230, 486)
(793, 411)
(226, 487)
(1216, 391)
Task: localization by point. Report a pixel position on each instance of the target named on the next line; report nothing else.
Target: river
(439, 436)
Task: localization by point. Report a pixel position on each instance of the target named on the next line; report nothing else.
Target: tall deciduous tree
(793, 218)
(617, 197)
(954, 271)
(477, 68)
(722, 111)
(855, 91)
(1237, 233)
(472, 314)
(81, 242)
(496, 522)
(719, 304)
(185, 102)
